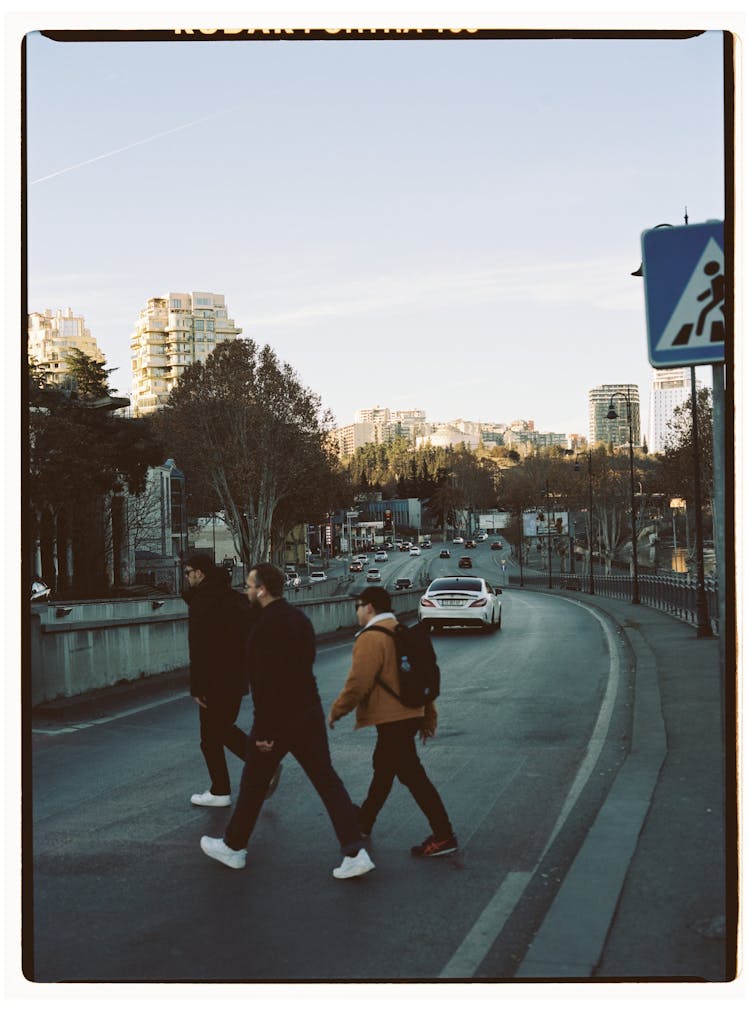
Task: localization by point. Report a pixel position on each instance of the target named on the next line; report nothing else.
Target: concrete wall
(78, 647)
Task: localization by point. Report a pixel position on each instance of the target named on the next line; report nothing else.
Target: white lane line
(490, 923)
(77, 726)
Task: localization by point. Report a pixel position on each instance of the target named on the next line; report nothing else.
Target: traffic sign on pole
(683, 272)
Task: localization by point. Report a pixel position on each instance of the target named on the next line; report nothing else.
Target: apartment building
(670, 388)
(617, 431)
(52, 335)
(348, 439)
(171, 333)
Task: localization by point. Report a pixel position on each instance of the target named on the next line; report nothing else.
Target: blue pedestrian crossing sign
(683, 272)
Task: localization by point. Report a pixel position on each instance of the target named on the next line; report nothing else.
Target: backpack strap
(392, 636)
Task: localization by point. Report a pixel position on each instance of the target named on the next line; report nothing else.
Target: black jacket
(281, 654)
(219, 624)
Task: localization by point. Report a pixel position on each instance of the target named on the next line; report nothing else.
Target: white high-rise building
(173, 332)
(670, 388)
(53, 335)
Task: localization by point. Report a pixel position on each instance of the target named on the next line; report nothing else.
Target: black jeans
(217, 731)
(308, 744)
(396, 756)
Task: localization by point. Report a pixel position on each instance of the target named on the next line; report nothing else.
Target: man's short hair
(270, 577)
(201, 562)
(377, 597)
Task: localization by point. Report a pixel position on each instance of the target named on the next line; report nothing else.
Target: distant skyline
(450, 225)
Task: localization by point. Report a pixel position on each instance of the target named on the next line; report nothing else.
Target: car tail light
(478, 602)
(426, 602)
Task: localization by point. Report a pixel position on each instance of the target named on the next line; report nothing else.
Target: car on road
(362, 558)
(458, 539)
(445, 554)
(480, 537)
(40, 591)
(464, 562)
(496, 545)
(292, 581)
(415, 551)
(426, 545)
(318, 576)
(461, 601)
(381, 555)
(470, 545)
(405, 546)
(402, 583)
(373, 575)
(356, 566)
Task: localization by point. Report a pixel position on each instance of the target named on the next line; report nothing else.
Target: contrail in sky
(128, 147)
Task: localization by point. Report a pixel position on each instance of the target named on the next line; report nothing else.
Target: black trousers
(396, 756)
(308, 744)
(218, 731)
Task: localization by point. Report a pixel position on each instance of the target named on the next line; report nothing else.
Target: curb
(571, 940)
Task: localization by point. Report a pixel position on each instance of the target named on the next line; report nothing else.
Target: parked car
(464, 562)
(381, 555)
(402, 583)
(496, 545)
(445, 553)
(318, 576)
(356, 566)
(461, 601)
(373, 575)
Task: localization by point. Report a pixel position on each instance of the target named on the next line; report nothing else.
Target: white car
(381, 555)
(458, 539)
(362, 558)
(461, 600)
(373, 575)
(414, 551)
(318, 576)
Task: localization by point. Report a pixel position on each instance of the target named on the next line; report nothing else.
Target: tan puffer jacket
(374, 653)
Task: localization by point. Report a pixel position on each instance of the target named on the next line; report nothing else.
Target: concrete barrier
(77, 647)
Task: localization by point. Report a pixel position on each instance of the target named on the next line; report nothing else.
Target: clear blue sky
(448, 225)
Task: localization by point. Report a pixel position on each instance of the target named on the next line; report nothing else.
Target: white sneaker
(209, 799)
(215, 847)
(354, 865)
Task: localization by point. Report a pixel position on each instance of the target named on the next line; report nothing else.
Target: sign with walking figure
(683, 272)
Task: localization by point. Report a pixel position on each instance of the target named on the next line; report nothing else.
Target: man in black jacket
(288, 719)
(219, 623)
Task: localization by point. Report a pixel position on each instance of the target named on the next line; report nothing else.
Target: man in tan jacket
(395, 756)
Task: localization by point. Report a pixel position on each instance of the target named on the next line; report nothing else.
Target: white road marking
(483, 933)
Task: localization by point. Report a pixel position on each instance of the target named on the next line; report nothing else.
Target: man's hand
(201, 701)
(264, 745)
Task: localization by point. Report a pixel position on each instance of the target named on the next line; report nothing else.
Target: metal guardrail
(674, 594)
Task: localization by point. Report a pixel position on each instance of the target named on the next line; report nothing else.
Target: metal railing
(676, 594)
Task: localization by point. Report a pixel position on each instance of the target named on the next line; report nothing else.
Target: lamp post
(612, 415)
(590, 529)
(549, 538)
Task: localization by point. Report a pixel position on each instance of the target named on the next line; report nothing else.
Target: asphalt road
(532, 727)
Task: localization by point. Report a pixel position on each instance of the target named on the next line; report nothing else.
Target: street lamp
(612, 415)
(590, 524)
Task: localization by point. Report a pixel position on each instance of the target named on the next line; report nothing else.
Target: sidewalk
(648, 895)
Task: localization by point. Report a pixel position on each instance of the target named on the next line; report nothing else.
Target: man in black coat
(219, 623)
(288, 719)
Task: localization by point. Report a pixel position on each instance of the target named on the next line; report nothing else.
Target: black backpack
(418, 671)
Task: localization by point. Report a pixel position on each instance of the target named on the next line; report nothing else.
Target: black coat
(219, 624)
(281, 654)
